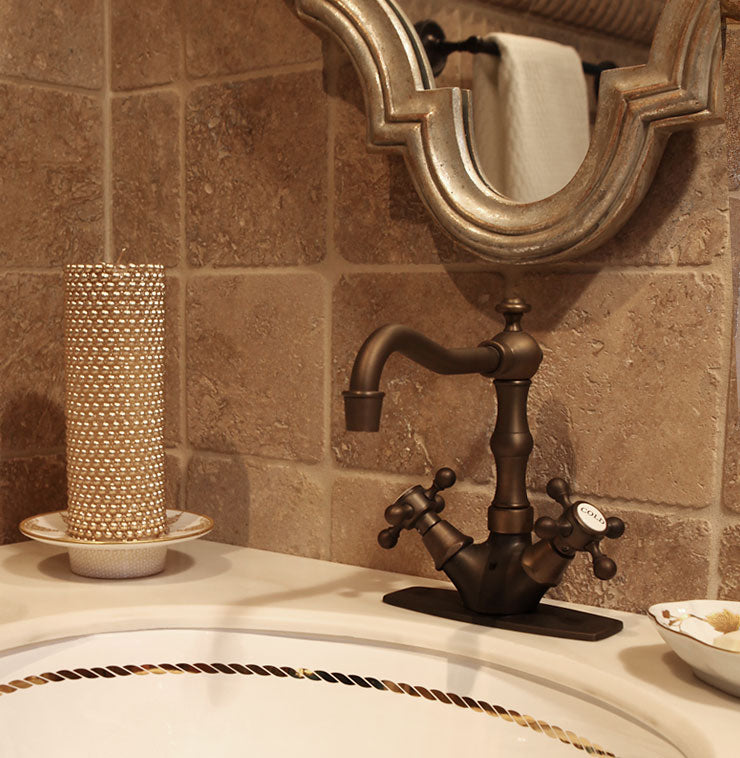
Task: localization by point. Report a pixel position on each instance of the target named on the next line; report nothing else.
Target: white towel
(530, 116)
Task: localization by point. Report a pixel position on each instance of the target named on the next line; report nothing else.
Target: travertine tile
(146, 179)
(172, 356)
(428, 420)
(729, 564)
(58, 41)
(622, 380)
(51, 166)
(145, 43)
(628, 398)
(261, 505)
(32, 365)
(257, 172)
(731, 69)
(29, 486)
(683, 218)
(379, 217)
(255, 352)
(232, 36)
(659, 558)
(358, 504)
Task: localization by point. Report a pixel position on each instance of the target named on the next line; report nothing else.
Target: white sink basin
(223, 693)
(89, 668)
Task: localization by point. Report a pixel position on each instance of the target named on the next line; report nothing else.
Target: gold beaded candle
(114, 363)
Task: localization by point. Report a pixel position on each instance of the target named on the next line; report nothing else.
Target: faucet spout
(363, 401)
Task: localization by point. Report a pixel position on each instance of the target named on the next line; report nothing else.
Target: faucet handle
(559, 490)
(582, 526)
(443, 479)
(603, 566)
(388, 538)
(416, 507)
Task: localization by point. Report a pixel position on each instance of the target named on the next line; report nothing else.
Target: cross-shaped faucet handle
(581, 526)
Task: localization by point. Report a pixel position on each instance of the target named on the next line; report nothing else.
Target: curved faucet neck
(396, 338)
(363, 401)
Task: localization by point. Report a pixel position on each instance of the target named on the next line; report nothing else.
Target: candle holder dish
(116, 560)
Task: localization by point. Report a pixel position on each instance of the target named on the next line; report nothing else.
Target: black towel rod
(437, 48)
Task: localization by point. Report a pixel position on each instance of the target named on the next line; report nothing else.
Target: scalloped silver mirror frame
(639, 107)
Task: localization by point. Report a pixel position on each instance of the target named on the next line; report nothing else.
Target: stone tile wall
(52, 212)
(729, 558)
(220, 140)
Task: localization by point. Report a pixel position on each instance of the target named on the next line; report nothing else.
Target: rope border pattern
(285, 672)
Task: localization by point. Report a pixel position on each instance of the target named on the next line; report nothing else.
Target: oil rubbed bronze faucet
(500, 582)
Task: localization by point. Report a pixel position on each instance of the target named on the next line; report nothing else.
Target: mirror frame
(639, 107)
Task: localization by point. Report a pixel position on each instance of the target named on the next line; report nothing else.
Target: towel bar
(437, 48)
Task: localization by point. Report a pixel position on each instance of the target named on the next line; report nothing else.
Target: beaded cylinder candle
(114, 364)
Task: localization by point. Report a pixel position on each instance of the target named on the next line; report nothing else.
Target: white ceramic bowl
(703, 633)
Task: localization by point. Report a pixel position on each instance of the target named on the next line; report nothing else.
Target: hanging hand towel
(530, 116)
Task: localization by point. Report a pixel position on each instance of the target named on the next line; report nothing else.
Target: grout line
(183, 269)
(190, 83)
(724, 272)
(108, 252)
(15, 455)
(336, 262)
(721, 267)
(348, 267)
(606, 503)
(728, 519)
(41, 271)
(153, 89)
(52, 86)
(330, 263)
(258, 73)
(315, 468)
(468, 486)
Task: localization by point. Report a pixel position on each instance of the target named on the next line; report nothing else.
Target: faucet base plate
(547, 619)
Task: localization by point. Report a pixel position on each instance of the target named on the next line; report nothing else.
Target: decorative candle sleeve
(114, 404)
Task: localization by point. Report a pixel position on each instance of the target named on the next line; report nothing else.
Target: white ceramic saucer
(116, 560)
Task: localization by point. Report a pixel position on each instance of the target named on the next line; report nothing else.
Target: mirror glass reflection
(534, 70)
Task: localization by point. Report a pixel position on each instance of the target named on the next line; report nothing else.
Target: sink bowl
(233, 651)
(225, 692)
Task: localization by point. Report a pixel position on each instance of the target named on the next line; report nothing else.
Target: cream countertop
(211, 585)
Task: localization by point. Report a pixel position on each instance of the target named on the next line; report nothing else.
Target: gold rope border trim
(381, 685)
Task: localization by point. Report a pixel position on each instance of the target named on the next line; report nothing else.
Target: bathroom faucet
(500, 581)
